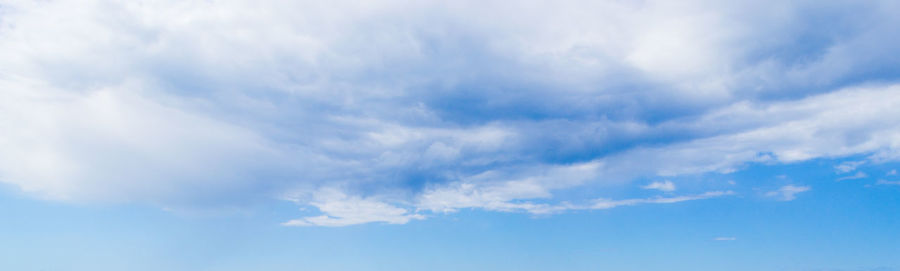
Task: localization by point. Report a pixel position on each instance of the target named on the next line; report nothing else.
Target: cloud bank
(389, 111)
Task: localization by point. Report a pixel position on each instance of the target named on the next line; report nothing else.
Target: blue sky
(395, 135)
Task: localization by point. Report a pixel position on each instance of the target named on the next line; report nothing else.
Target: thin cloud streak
(339, 210)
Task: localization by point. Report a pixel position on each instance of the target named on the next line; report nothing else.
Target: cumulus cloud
(403, 108)
(665, 186)
(787, 192)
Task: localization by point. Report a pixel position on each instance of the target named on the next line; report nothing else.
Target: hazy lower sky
(453, 135)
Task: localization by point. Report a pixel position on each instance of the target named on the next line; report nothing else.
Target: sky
(449, 135)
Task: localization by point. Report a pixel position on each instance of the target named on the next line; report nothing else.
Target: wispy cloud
(788, 192)
(724, 239)
(607, 204)
(848, 166)
(858, 175)
(340, 209)
(665, 186)
(886, 182)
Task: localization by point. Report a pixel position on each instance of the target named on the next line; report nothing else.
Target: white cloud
(340, 209)
(665, 186)
(725, 239)
(607, 204)
(848, 166)
(514, 196)
(892, 172)
(788, 192)
(502, 191)
(116, 144)
(814, 127)
(858, 175)
(175, 102)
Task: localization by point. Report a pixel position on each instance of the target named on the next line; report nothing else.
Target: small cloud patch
(848, 166)
(665, 186)
(858, 175)
(787, 192)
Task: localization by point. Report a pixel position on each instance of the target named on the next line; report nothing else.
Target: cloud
(515, 196)
(848, 166)
(858, 175)
(788, 192)
(432, 106)
(886, 182)
(607, 204)
(724, 239)
(504, 190)
(796, 131)
(665, 186)
(118, 145)
(341, 210)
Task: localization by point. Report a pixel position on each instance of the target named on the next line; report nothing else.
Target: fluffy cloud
(385, 110)
(117, 145)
